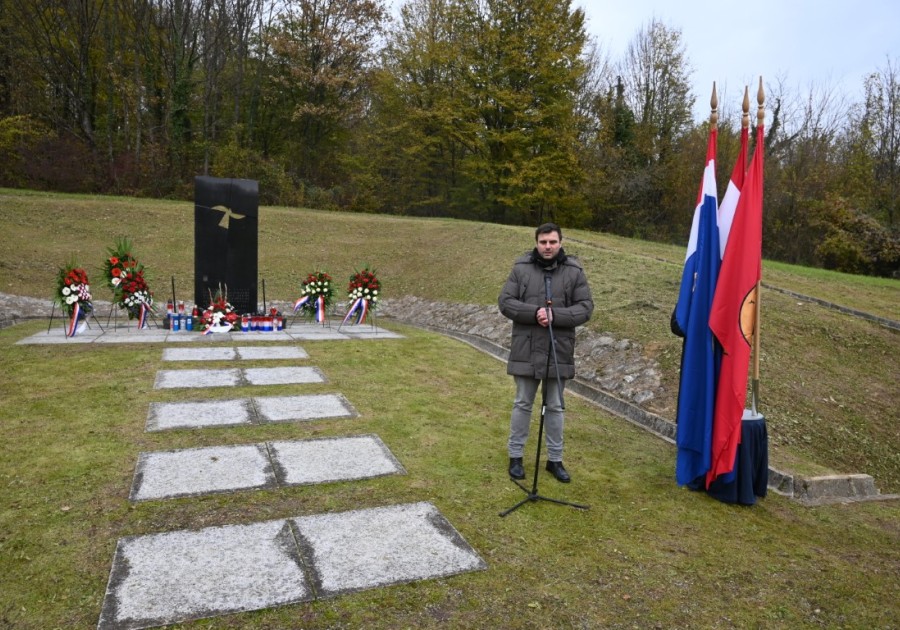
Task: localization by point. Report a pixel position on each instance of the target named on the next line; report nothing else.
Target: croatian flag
(733, 315)
(700, 355)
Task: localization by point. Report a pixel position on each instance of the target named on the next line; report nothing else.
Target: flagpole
(760, 119)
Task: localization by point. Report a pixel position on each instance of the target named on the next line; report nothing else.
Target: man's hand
(544, 316)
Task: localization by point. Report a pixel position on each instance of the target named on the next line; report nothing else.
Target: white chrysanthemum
(71, 299)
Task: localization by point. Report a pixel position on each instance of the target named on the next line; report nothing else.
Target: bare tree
(882, 121)
(655, 73)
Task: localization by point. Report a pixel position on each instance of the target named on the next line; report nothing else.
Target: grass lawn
(647, 553)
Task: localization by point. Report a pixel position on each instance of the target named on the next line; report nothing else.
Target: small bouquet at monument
(316, 295)
(73, 295)
(219, 316)
(126, 278)
(362, 294)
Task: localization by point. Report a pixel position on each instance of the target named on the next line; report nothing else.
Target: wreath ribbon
(320, 309)
(73, 322)
(142, 316)
(360, 308)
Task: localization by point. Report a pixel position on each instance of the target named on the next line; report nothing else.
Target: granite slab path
(171, 577)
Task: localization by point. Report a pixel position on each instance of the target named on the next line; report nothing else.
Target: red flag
(732, 317)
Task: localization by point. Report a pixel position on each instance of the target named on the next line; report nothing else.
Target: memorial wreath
(73, 295)
(362, 294)
(316, 295)
(220, 315)
(129, 285)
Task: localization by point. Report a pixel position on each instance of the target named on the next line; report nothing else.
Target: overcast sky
(824, 44)
(828, 43)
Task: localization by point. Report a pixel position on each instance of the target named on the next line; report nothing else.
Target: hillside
(828, 378)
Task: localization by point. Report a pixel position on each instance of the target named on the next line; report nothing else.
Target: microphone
(547, 294)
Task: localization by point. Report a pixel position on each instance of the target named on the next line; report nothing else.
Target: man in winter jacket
(531, 361)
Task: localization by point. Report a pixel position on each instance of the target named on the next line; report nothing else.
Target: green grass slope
(647, 553)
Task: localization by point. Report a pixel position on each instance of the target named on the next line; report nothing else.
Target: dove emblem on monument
(229, 214)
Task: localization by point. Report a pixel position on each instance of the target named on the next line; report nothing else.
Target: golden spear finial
(714, 108)
(745, 106)
(760, 108)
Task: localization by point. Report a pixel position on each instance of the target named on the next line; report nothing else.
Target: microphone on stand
(548, 295)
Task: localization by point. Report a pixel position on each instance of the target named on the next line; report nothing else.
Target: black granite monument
(226, 224)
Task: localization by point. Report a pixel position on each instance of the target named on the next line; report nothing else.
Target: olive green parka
(571, 304)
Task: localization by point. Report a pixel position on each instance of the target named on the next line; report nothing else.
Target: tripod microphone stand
(533, 493)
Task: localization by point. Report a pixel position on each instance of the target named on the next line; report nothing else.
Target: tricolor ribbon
(208, 330)
(73, 322)
(300, 303)
(320, 309)
(360, 308)
(142, 316)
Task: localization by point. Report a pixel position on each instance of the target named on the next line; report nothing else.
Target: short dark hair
(546, 228)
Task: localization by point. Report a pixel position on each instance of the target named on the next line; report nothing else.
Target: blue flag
(700, 355)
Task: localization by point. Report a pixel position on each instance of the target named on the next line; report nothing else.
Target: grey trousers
(520, 419)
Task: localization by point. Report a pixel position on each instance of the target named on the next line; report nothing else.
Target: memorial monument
(226, 225)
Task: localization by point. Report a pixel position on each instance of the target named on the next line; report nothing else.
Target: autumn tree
(419, 110)
(322, 52)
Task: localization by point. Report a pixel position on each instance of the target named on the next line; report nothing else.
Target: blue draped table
(751, 465)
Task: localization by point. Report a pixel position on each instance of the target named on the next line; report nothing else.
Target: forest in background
(491, 110)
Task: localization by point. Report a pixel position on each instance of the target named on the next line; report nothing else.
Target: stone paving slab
(353, 551)
(196, 471)
(168, 379)
(201, 413)
(160, 579)
(309, 407)
(232, 377)
(215, 469)
(243, 411)
(296, 332)
(167, 578)
(283, 375)
(252, 353)
(302, 462)
(213, 353)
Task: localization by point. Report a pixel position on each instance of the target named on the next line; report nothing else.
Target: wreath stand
(370, 316)
(325, 324)
(117, 307)
(87, 318)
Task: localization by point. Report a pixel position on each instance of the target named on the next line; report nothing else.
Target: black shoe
(556, 468)
(516, 470)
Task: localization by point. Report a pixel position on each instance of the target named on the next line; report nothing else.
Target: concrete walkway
(172, 577)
